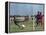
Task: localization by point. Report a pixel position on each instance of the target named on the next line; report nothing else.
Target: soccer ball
(23, 26)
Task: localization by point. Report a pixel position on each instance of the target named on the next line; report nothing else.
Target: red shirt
(39, 17)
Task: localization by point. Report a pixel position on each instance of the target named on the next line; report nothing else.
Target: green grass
(28, 28)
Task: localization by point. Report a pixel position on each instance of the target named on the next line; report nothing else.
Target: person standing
(39, 18)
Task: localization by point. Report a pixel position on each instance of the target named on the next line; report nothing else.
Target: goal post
(33, 23)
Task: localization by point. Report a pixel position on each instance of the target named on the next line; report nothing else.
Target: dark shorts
(38, 21)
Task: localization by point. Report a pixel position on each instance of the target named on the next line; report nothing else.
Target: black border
(27, 3)
(6, 17)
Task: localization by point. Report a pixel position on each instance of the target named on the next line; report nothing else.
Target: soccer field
(28, 27)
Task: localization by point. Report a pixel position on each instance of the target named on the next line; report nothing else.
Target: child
(39, 18)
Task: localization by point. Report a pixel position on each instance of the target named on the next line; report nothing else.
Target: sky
(25, 9)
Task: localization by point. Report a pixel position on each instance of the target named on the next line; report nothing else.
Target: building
(18, 18)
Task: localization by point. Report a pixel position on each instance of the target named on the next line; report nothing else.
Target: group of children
(39, 18)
